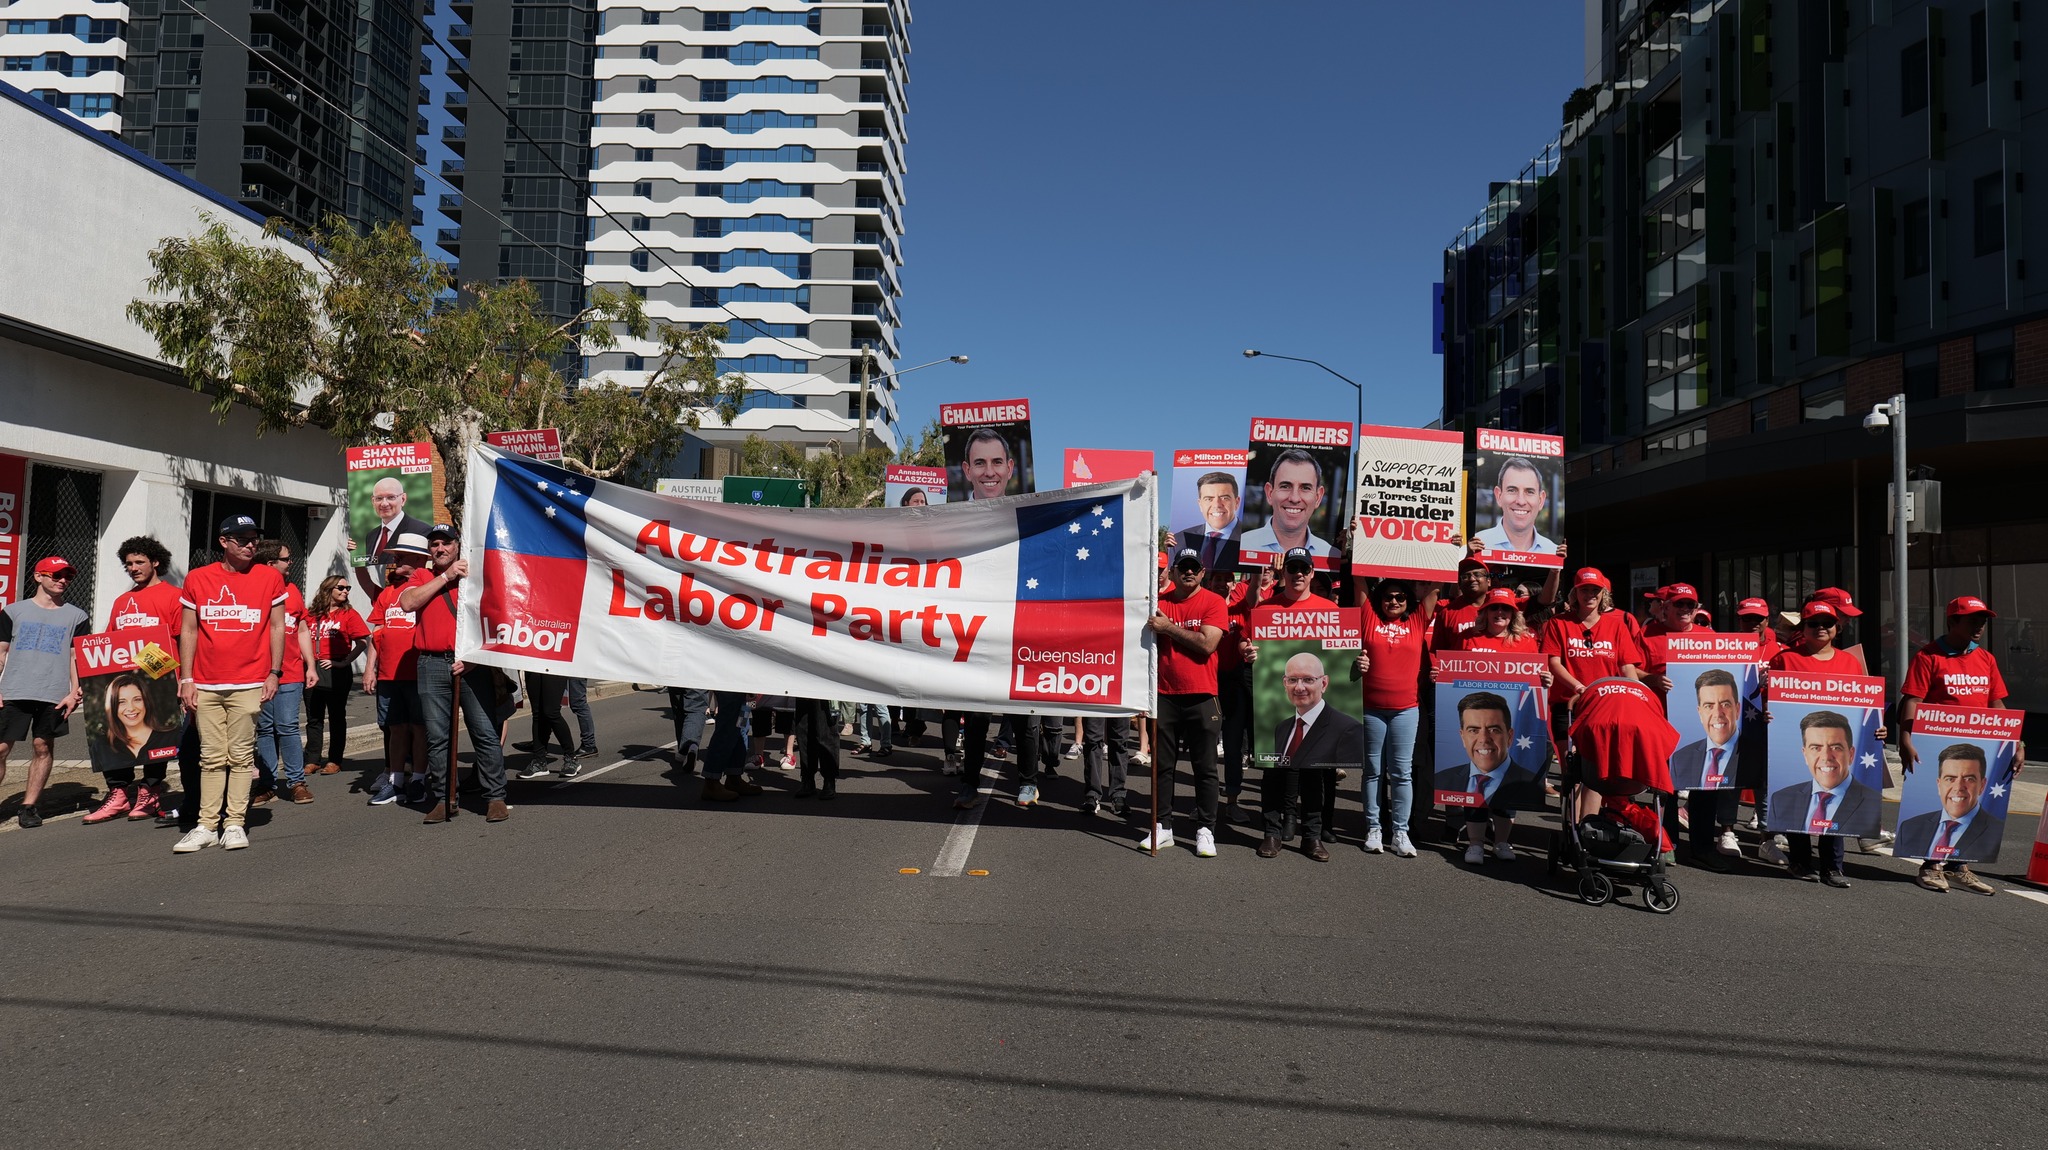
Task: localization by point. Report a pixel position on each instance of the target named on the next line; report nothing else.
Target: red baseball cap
(1960, 605)
(54, 564)
(1591, 576)
(1752, 607)
(1501, 597)
(1838, 598)
(1678, 591)
(1656, 593)
(1815, 609)
(1703, 617)
(1468, 563)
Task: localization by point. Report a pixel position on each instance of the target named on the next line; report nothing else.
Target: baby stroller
(1620, 747)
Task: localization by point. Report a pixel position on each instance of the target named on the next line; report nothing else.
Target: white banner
(1029, 604)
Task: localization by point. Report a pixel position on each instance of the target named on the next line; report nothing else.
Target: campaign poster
(390, 491)
(1518, 497)
(1411, 501)
(904, 485)
(1305, 659)
(1208, 504)
(1952, 807)
(543, 443)
(1104, 465)
(1297, 490)
(1716, 705)
(129, 700)
(691, 490)
(13, 524)
(988, 449)
(1492, 736)
(1826, 762)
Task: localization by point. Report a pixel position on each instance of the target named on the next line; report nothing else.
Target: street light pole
(867, 359)
(1901, 643)
(1250, 353)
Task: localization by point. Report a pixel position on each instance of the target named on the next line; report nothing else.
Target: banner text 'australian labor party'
(1034, 603)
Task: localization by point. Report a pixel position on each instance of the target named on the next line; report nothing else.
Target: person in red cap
(1281, 795)
(38, 677)
(1588, 640)
(1754, 615)
(1656, 611)
(1814, 650)
(1957, 670)
(1501, 627)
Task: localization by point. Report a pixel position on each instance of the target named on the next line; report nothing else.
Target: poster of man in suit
(1716, 705)
(1299, 720)
(988, 449)
(1491, 738)
(1208, 495)
(390, 493)
(1826, 769)
(1955, 812)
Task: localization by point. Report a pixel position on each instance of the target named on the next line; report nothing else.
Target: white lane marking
(952, 860)
(639, 758)
(2034, 895)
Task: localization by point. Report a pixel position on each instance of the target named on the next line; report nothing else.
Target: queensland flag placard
(1067, 643)
(535, 559)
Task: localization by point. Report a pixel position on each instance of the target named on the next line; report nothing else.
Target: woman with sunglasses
(339, 635)
(1390, 668)
(1813, 650)
(1499, 626)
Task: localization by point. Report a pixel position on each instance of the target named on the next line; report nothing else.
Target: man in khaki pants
(230, 660)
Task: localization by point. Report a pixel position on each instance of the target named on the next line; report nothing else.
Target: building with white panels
(70, 54)
(748, 170)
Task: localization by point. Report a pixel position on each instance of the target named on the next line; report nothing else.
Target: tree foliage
(372, 343)
(841, 478)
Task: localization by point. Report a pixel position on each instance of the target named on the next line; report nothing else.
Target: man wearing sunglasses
(38, 676)
(230, 662)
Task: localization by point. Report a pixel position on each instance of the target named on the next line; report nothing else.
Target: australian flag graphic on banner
(1068, 637)
(534, 560)
(1532, 731)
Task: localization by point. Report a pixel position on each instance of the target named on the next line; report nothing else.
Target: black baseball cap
(444, 531)
(1187, 556)
(1298, 559)
(239, 525)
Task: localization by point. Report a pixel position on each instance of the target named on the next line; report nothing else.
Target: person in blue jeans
(586, 727)
(280, 745)
(688, 707)
(1389, 667)
(877, 733)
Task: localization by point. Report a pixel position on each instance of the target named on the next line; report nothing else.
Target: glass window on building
(1987, 221)
(1823, 398)
(1672, 380)
(1675, 244)
(1912, 77)
(64, 519)
(1914, 238)
(1994, 361)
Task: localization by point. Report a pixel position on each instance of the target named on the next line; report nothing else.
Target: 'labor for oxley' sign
(1033, 603)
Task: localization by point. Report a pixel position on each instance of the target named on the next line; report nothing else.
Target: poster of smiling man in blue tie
(1208, 495)
(1716, 706)
(1956, 811)
(1491, 734)
(1826, 757)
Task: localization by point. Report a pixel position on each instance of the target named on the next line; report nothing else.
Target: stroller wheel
(1660, 896)
(1595, 888)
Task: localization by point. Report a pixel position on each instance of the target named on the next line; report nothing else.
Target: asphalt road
(620, 965)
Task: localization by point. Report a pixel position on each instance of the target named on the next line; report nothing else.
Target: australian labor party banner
(1826, 761)
(1032, 604)
(1411, 499)
(1517, 497)
(1492, 737)
(1952, 807)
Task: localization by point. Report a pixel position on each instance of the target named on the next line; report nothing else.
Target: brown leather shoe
(261, 797)
(331, 769)
(1269, 847)
(1315, 849)
(498, 812)
(302, 794)
(438, 815)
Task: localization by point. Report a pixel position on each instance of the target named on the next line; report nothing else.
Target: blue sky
(1109, 201)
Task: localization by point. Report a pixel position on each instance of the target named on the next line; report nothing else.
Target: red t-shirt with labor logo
(436, 629)
(1395, 648)
(1181, 671)
(1590, 653)
(1968, 678)
(335, 633)
(234, 633)
(154, 611)
(391, 637)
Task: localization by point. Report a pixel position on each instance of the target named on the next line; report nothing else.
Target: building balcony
(266, 199)
(256, 156)
(449, 238)
(456, 136)
(451, 170)
(263, 12)
(265, 123)
(457, 103)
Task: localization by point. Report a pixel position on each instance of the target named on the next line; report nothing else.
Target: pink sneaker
(149, 802)
(114, 807)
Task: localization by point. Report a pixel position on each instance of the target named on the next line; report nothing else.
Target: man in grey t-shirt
(38, 677)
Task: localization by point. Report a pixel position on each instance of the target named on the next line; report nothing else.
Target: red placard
(991, 411)
(13, 524)
(1194, 457)
(1086, 466)
(543, 443)
(408, 458)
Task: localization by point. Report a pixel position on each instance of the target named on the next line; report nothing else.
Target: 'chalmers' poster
(988, 449)
(1518, 497)
(1952, 807)
(1208, 499)
(1297, 476)
(1826, 761)
(1411, 493)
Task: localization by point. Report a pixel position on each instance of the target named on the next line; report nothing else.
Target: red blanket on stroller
(1635, 814)
(1621, 737)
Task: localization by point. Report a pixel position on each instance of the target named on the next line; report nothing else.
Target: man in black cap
(1189, 624)
(433, 595)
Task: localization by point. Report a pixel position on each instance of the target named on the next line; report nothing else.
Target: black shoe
(807, 789)
(568, 769)
(29, 817)
(1834, 879)
(1090, 805)
(686, 757)
(586, 753)
(1803, 873)
(830, 792)
(1712, 860)
(416, 792)
(1119, 806)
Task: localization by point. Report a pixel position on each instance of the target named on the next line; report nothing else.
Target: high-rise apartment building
(748, 171)
(296, 108)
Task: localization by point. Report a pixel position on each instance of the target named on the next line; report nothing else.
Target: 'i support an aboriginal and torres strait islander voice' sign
(1411, 497)
(1033, 603)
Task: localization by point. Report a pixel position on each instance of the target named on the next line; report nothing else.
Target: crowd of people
(254, 656)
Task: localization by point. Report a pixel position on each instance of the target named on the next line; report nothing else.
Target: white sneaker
(1504, 851)
(1161, 836)
(1372, 841)
(1402, 847)
(1726, 844)
(1771, 852)
(234, 839)
(1140, 759)
(196, 839)
(1475, 854)
(1205, 843)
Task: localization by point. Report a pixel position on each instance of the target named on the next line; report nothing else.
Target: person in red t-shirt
(1754, 615)
(1500, 627)
(1233, 689)
(149, 610)
(392, 675)
(445, 682)
(1280, 795)
(1389, 669)
(339, 635)
(1458, 616)
(1589, 640)
(280, 749)
(230, 659)
(1188, 627)
(1954, 669)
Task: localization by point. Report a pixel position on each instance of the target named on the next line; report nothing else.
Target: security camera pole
(1902, 643)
